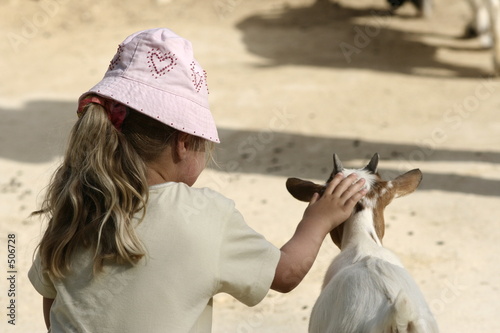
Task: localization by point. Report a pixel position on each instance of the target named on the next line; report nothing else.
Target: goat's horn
(372, 166)
(337, 165)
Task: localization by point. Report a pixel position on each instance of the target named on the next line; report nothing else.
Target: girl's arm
(321, 216)
(47, 304)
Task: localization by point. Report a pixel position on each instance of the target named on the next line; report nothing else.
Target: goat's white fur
(366, 288)
(370, 178)
(486, 23)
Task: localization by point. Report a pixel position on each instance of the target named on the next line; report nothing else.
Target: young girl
(130, 246)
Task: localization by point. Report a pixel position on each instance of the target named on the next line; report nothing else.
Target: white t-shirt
(197, 245)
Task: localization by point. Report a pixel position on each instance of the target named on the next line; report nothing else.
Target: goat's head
(380, 192)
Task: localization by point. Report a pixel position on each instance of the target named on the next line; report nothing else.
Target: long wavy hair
(99, 193)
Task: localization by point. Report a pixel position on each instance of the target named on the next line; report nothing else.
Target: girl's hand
(321, 216)
(337, 202)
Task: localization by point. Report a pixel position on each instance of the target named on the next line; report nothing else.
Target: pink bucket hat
(154, 72)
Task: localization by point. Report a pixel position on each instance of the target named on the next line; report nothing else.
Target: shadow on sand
(37, 133)
(326, 34)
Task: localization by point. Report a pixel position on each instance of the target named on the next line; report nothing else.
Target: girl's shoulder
(184, 193)
(180, 201)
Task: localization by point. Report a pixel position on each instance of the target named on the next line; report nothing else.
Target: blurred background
(291, 83)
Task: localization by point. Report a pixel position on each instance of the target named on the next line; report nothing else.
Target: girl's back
(194, 250)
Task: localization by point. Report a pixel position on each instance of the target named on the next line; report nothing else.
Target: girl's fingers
(314, 198)
(346, 188)
(344, 184)
(330, 187)
(356, 197)
(353, 189)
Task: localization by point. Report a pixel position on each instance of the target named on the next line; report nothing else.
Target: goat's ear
(303, 190)
(407, 183)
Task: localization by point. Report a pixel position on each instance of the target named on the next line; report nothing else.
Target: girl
(130, 246)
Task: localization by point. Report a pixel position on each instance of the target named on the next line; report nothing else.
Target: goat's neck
(359, 230)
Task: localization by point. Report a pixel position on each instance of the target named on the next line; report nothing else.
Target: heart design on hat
(161, 62)
(116, 58)
(198, 78)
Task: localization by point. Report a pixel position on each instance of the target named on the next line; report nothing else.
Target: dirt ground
(291, 82)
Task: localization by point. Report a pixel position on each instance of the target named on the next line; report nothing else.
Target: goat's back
(371, 295)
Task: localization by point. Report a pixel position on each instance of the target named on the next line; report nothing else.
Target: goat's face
(380, 192)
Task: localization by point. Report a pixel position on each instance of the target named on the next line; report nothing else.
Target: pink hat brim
(132, 93)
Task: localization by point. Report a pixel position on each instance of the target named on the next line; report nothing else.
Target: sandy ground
(291, 82)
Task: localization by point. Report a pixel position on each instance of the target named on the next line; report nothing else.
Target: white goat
(485, 24)
(366, 288)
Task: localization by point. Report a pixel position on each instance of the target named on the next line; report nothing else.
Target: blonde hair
(95, 194)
